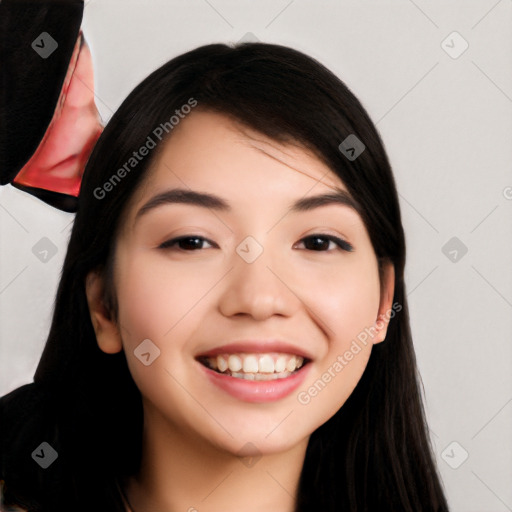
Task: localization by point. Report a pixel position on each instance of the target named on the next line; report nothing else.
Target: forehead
(209, 151)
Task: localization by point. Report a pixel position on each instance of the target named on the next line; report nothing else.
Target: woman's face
(249, 286)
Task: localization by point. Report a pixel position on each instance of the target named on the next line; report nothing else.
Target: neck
(180, 472)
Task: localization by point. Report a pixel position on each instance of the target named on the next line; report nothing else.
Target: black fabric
(30, 415)
(24, 413)
(60, 201)
(30, 85)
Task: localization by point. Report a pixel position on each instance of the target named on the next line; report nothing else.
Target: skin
(190, 302)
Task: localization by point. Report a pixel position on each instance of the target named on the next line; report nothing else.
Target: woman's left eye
(320, 243)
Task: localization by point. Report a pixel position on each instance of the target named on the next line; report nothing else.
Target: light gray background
(446, 123)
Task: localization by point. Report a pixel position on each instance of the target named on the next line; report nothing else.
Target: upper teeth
(256, 363)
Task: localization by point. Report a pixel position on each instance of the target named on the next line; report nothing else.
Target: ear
(107, 332)
(387, 289)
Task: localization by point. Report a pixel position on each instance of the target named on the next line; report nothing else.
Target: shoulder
(23, 421)
(23, 403)
(20, 411)
(19, 398)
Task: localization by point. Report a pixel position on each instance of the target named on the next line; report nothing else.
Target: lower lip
(258, 391)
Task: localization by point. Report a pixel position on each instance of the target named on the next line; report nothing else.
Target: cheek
(347, 306)
(342, 298)
(155, 298)
(143, 299)
(161, 302)
(157, 304)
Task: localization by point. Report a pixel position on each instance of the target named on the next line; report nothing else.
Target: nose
(259, 289)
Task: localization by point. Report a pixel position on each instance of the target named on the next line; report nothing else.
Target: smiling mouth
(268, 366)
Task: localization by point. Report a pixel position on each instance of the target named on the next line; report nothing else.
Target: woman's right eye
(187, 243)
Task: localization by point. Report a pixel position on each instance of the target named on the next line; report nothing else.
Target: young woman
(231, 326)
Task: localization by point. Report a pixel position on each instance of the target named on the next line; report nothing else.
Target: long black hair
(374, 454)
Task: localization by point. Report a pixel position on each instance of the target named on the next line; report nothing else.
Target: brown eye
(320, 243)
(186, 243)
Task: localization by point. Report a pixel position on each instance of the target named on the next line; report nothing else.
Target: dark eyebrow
(183, 196)
(339, 196)
(206, 200)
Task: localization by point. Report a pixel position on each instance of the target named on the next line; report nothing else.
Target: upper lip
(256, 347)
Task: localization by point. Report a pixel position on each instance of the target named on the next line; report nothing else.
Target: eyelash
(342, 244)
